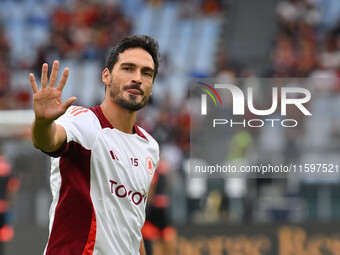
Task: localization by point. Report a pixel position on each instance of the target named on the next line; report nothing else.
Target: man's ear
(106, 76)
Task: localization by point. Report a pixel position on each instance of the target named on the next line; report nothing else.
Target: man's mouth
(134, 91)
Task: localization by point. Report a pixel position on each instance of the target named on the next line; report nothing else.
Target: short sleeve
(78, 123)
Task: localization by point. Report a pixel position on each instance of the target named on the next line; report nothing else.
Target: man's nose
(137, 77)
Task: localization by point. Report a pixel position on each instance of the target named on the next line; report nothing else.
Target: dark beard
(130, 105)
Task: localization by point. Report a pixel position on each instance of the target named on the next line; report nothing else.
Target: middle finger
(54, 73)
(44, 70)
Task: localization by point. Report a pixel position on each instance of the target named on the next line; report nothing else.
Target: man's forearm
(44, 136)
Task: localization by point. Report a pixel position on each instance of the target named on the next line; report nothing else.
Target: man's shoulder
(81, 125)
(77, 113)
(78, 117)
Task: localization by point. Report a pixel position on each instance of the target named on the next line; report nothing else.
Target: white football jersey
(99, 181)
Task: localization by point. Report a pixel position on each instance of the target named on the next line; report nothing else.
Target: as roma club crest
(149, 165)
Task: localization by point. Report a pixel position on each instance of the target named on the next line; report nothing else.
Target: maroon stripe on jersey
(73, 218)
(106, 124)
(138, 132)
(100, 115)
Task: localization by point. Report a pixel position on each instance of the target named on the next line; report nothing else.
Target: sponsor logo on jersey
(120, 191)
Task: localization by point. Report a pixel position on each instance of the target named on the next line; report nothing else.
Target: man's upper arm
(60, 137)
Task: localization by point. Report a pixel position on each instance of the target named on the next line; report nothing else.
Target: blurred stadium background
(198, 39)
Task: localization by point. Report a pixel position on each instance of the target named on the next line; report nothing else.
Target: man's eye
(148, 74)
(126, 68)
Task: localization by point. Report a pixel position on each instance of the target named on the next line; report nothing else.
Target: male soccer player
(102, 162)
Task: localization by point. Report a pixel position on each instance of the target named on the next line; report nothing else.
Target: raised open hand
(47, 103)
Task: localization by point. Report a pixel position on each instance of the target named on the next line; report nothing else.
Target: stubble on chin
(131, 103)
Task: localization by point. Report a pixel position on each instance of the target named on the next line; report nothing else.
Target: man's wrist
(43, 121)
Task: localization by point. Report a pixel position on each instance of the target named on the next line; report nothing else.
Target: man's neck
(119, 117)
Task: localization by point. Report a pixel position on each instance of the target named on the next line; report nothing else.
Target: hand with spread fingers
(47, 103)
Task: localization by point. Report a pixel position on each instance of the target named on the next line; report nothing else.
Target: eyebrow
(145, 68)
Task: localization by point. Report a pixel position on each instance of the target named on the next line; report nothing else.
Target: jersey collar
(106, 124)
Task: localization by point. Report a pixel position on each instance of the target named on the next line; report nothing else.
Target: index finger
(63, 79)
(33, 83)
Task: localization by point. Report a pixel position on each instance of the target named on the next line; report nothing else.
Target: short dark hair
(134, 41)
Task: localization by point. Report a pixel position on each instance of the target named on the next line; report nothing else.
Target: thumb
(68, 103)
